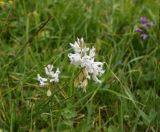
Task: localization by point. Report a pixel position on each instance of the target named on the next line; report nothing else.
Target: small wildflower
(143, 19)
(139, 30)
(51, 77)
(143, 36)
(85, 58)
(145, 24)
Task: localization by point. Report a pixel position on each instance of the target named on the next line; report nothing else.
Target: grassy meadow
(35, 33)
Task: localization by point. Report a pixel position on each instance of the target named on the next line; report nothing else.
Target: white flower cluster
(85, 58)
(51, 76)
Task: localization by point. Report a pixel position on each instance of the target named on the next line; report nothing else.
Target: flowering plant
(145, 24)
(85, 58)
(51, 77)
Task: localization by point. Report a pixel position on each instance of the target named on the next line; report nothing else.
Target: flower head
(85, 58)
(139, 30)
(51, 76)
(143, 19)
(143, 28)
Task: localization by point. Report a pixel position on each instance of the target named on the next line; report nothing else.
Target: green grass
(37, 33)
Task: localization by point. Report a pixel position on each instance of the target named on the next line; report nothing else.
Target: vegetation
(35, 33)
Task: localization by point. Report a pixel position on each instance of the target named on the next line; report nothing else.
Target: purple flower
(143, 36)
(145, 23)
(143, 28)
(143, 20)
(151, 23)
(138, 30)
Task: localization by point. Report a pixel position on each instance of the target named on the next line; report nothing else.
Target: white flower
(94, 68)
(48, 70)
(97, 71)
(85, 58)
(55, 76)
(98, 68)
(51, 76)
(42, 81)
(86, 62)
(78, 46)
(92, 52)
(75, 58)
